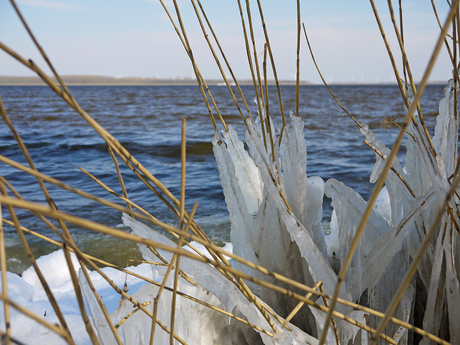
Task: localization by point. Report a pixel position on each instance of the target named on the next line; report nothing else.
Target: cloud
(51, 5)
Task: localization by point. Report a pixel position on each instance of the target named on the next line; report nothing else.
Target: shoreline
(78, 80)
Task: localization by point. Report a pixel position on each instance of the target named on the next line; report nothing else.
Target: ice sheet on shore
(27, 291)
(224, 293)
(206, 327)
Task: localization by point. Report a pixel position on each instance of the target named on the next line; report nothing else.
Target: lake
(147, 121)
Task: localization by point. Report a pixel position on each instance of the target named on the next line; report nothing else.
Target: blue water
(147, 121)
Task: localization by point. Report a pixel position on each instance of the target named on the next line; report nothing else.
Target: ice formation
(406, 209)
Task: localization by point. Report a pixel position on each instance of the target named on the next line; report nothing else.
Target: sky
(136, 39)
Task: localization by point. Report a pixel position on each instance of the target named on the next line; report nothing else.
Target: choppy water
(147, 120)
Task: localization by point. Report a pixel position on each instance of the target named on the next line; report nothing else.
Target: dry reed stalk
(120, 178)
(6, 307)
(300, 304)
(226, 62)
(98, 298)
(10, 340)
(407, 67)
(272, 62)
(375, 149)
(40, 276)
(79, 296)
(401, 25)
(297, 79)
(266, 103)
(182, 238)
(122, 321)
(324, 81)
(257, 81)
(254, 75)
(129, 203)
(381, 180)
(449, 50)
(182, 177)
(199, 77)
(390, 55)
(216, 59)
(248, 54)
(334, 324)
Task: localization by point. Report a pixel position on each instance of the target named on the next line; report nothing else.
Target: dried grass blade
(42, 279)
(255, 75)
(258, 81)
(407, 67)
(300, 304)
(225, 59)
(120, 178)
(215, 55)
(176, 272)
(6, 307)
(81, 306)
(122, 321)
(3, 335)
(42, 51)
(297, 83)
(96, 305)
(390, 55)
(324, 81)
(26, 155)
(198, 74)
(128, 202)
(272, 61)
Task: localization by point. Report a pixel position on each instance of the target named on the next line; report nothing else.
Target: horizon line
(101, 80)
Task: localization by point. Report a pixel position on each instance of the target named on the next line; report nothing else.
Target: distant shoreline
(81, 80)
(91, 80)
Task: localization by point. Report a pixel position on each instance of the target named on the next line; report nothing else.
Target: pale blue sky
(135, 38)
